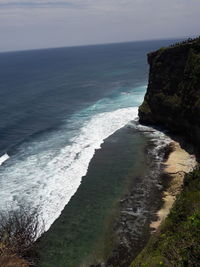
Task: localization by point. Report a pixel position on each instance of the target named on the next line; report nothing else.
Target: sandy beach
(177, 165)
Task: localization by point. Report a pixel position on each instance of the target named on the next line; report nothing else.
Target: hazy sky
(27, 24)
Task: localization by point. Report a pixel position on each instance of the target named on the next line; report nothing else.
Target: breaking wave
(48, 178)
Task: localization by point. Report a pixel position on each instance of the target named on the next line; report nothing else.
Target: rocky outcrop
(173, 95)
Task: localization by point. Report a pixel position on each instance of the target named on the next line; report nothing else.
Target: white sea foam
(49, 179)
(3, 158)
(160, 138)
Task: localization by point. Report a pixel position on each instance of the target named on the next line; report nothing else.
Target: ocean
(59, 108)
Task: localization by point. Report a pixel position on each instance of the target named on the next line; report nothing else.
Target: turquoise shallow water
(57, 108)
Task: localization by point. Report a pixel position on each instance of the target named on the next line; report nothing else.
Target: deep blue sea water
(56, 107)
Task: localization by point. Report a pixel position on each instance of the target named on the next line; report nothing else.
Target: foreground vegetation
(177, 243)
(18, 232)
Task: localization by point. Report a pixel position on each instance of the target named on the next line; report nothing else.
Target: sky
(32, 24)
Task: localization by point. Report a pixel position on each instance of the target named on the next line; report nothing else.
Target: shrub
(18, 231)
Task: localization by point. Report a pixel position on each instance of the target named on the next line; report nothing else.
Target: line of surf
(49, 182)
(3, 158)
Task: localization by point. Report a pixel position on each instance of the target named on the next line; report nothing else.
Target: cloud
(35, 4)
(48, 23)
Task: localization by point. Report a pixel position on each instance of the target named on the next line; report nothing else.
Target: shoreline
(141, 206)
(178, 163)
(138, 206)
(175, 164)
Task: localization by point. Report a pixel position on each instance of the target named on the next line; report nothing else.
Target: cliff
(173, 95)
(173, 102)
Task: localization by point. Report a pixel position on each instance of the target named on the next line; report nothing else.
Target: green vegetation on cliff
(177, 243)
(173, 93)
(173, 101)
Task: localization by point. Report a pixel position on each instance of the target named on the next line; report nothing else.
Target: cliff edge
(173, 94)
(173, 101)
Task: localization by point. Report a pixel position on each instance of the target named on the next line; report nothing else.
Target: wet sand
(176, 166)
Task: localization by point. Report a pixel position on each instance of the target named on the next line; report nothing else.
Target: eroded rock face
(173, 95)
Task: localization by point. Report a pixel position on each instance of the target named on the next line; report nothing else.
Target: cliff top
(185, 43)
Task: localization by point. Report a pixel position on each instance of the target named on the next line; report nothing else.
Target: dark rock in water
(131, 228)
(173, 93)
(137, 210)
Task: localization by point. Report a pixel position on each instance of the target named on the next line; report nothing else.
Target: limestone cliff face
(173, 95)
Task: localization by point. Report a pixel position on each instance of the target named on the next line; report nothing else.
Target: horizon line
(97, 44)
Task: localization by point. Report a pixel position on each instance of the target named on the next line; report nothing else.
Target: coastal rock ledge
(173, 94)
